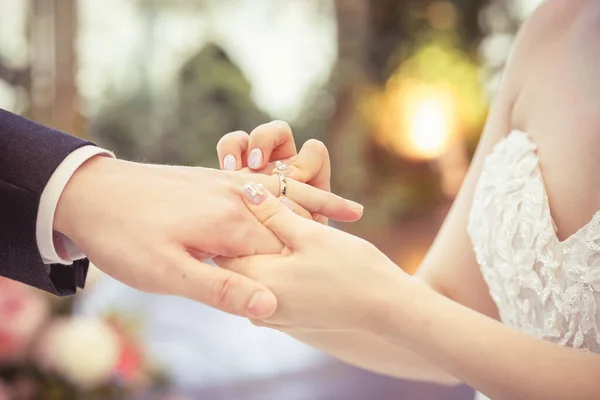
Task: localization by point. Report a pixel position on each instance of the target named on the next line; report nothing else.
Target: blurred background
(397, 89)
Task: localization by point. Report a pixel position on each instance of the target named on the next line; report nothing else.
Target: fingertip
(348, 216)
(356, 207)
(344, 211)
(281, 125)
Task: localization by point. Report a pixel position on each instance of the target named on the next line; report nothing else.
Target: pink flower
(23, 311)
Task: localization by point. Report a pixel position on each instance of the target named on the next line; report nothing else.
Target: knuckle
(317, 146)
(222, 290)
(223, 141)
(233, 238)
(322, 207)
(282, 126)
(260, 131)
(269, 212)
(232, 138)
(239, 136)
(234, 211)
(272, 132)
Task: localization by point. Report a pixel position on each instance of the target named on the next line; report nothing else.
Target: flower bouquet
(47, 354)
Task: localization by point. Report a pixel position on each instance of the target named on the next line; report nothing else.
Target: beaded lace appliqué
(544, 287)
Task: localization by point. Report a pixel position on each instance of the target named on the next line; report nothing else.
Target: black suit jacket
(29, 154)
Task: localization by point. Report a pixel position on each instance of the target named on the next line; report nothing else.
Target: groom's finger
(222, 289)
(272, 213)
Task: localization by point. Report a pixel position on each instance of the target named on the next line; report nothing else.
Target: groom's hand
(150, 226)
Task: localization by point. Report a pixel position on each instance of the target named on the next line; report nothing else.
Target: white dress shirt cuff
(51, 243)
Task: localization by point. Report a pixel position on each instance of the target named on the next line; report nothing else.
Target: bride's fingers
(231, 150)
(269, 169)
(311, 165)
(272, 141)
(310, 198)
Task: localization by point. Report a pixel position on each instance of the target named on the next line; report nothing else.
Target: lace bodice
(542, 286)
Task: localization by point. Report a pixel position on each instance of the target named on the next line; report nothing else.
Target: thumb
(272, 213)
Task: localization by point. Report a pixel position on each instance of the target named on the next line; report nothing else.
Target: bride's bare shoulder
(534, 50)
(558, 57)
(548, 22)
(558, 100)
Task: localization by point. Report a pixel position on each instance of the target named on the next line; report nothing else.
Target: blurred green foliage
(212, 98)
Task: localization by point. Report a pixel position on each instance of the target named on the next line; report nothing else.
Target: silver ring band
(282, 184)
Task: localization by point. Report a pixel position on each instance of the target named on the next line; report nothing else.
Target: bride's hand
(324, 279)
(264, 146)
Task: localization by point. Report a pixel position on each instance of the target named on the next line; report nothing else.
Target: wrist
(398, 309)
(79, 193)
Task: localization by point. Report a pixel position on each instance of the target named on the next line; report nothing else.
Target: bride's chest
(541, 285)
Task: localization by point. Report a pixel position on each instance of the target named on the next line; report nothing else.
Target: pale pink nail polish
(254, 192)
(255, 158)
(229, 162)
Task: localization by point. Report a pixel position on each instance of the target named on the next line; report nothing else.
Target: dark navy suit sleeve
(29, 154)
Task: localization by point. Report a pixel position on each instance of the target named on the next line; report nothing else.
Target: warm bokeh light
(430, 118)
(417, 120)
(432, 102)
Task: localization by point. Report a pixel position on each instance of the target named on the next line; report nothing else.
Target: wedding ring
(282, 184)
(281, 167)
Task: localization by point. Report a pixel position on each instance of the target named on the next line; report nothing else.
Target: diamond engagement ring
(281, 167)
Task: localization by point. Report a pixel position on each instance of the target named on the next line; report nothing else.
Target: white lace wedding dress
(542, 286)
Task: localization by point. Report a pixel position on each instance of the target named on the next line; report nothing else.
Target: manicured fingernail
(254, 192)
(255, 158)
(229, 162)
(355, 206)
(262, 304)
(288, 203)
